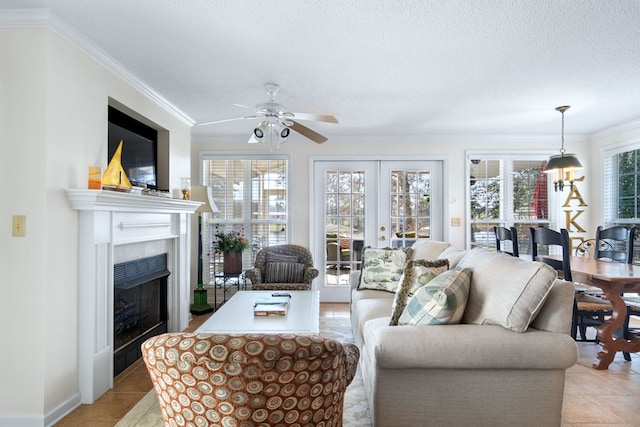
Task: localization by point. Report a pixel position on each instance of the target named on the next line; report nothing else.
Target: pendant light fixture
(562, 165)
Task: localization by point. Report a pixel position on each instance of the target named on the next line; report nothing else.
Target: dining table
(614, 279)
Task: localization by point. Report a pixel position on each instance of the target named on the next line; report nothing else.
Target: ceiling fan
(278, 123)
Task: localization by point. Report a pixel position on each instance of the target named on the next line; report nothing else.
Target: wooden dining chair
(616, 244)
(503, 235)
(588, 310)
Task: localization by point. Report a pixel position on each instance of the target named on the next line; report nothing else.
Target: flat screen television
(139, 148)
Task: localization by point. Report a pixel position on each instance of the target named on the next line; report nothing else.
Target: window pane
(251, 195)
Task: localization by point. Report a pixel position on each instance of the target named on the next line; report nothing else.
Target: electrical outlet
(19, 226)
(456, 221)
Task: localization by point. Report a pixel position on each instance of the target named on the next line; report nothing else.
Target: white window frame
(506, 207)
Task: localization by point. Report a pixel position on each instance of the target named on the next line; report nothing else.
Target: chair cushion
(284, 272)
(382, 268)
(439, 302)
(505, 290)
(417, 273)
(271, 257)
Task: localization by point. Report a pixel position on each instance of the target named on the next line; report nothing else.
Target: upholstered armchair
(247, 380)
(282, 267)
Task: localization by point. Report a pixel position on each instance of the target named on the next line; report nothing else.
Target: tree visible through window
(508, 190)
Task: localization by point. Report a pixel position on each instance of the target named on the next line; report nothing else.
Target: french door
(376, 203)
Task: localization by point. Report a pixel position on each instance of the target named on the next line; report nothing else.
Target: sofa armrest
(465, 346)
(354, 278)
(310, 273)
(254, 274)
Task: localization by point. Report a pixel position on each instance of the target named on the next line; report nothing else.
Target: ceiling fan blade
(329, 118)
(226, 120)
(305, 131)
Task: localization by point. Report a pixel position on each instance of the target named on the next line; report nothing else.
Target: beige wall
(54, 109)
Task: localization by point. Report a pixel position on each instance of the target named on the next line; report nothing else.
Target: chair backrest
(502, 234)
(548, 237)
(609, 242)
(300, 252)
(261, 379)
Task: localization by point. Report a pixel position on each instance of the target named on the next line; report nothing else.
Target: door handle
(383, 238)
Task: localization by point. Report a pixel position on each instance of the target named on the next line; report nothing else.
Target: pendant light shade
(562, 165)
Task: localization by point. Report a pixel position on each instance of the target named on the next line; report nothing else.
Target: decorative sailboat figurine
(115, 178)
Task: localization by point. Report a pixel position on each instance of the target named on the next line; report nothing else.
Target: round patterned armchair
(250, 380)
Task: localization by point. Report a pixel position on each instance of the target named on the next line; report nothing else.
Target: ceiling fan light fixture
(562, 165)
(261, 131)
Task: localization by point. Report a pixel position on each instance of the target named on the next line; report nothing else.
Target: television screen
(139, 148)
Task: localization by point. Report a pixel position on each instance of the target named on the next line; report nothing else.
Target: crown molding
(44, 18)
(614, 130)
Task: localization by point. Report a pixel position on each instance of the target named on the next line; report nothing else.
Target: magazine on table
(276, 305)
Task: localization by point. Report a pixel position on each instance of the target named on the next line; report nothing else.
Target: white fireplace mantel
(109, 220)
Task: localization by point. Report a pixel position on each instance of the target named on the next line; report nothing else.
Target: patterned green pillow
(439, 302)
(383, 267)
(417, 273)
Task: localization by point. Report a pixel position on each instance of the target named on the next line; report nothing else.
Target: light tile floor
(591, 398)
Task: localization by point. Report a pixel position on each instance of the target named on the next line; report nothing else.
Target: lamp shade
(567, 162)
(200, 193)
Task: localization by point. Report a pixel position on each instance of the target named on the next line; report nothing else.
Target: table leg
(609, 342)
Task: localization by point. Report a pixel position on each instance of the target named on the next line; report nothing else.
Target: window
(622, 189)
(250, 196)
(507, 191)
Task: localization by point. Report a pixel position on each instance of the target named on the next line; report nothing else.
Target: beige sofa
(479, 372)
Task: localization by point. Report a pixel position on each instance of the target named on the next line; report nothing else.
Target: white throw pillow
(506, 290)
(428, 249)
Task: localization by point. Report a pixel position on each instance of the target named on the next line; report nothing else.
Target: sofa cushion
(439, 302)
(382, 268)
(453, 254)
(428, 249)
(417, 273)
(505, 290)
(284, 272)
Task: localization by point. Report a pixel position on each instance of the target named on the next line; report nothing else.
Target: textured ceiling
(419, 67)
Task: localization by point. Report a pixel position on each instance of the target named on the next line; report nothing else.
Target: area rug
(146, 413)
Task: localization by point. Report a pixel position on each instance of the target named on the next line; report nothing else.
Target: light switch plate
(19, 227)
(456, 221)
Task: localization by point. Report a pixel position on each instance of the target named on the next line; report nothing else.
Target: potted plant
(231, 244)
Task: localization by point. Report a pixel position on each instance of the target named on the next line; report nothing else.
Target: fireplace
(116, 228)
(139, 307)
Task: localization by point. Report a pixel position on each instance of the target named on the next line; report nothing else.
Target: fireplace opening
(140, 307)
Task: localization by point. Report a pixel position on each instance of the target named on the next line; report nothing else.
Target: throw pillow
(284, 272)
(382, 268)
(439, 302)
(507, 291)
(428, 249)
(417, 273)
(271, 257)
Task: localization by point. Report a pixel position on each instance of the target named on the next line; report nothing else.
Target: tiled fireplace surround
(114, 228)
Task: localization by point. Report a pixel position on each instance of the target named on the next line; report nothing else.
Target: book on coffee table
(270, 309)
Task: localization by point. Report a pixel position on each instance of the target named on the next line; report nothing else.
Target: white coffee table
(236, 315)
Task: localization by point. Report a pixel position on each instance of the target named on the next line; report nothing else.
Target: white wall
(55, 98)
(452, 147)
